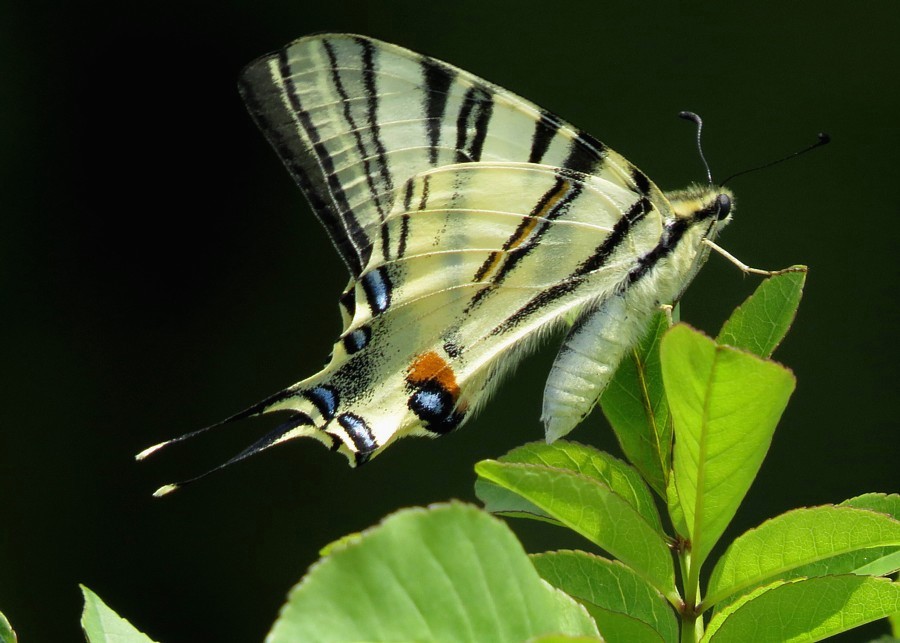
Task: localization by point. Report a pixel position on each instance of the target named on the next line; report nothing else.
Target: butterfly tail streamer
(312, 407)
(295, 427)
(270, 403)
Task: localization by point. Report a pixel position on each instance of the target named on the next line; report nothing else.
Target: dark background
(159, 271)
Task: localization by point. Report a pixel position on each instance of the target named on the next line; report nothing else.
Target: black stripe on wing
(438, 79)
(295, 138)
(528, 234)
(596, 261)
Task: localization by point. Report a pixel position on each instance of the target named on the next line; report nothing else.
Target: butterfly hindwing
(482, 259)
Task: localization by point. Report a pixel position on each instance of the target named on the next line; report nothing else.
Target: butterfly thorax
(697, 213)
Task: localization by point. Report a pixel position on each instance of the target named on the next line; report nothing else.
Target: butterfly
(474, 224)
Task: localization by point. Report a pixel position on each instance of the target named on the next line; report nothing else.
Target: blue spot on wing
(357, 340)
(434, 405)
(359, 432)
(377, 286)
(430, 403)
(325, 398)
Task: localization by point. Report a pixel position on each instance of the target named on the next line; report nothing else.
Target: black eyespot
(723, 203)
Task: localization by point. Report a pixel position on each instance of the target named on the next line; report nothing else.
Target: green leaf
(676, 513)
(885, 503)
(878, 561)
(761, 322)
(622, 478)
(623, 605)
(343, 541)
(635, 405)
(448, 573)
(7, 635)
(592, 509)
(102, 625)
(804, 542)
(725, 404)
(562, 638)
(805, 610)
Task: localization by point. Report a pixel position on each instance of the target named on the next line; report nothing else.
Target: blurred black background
(159, 271)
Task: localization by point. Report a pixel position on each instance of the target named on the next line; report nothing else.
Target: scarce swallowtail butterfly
(473, 224)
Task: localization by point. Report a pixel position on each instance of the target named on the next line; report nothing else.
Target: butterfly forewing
(353, 119)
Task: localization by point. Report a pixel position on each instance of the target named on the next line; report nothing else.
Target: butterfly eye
(723, 202)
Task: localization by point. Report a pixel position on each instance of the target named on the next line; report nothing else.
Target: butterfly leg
(669, 311)
(747, 269)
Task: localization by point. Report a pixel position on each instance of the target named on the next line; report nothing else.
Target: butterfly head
(699, 204)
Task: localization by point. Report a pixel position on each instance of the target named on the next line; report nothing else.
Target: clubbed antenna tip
(150, 450)
(165, 490)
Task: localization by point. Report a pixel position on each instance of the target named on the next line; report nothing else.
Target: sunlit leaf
(448, 573)
(635, 405)
(804, 610)
(761, 322)
(725, 403)
(886, 503)
(592, 509)
(7, 634)
(623, 605)
(102, 625)
(803, 542)
(619, 476)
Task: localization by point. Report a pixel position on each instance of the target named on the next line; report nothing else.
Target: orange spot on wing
(432, 367)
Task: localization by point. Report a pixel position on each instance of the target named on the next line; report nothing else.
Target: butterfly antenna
(282, 432)
(691, 116)
(823, 139)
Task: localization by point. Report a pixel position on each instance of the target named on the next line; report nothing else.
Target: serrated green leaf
(7, 634)
(343, 541)
(102, 625)
(634, 403)
(503, 502)
(761, 322)
(804, 610)
(886, 503)
(884, 560)
(725, 404)
(622, 478)
(623, 605)
(592, 509)
(804, 542)
(448, 573)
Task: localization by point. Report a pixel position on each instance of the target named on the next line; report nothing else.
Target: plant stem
(691, 620)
